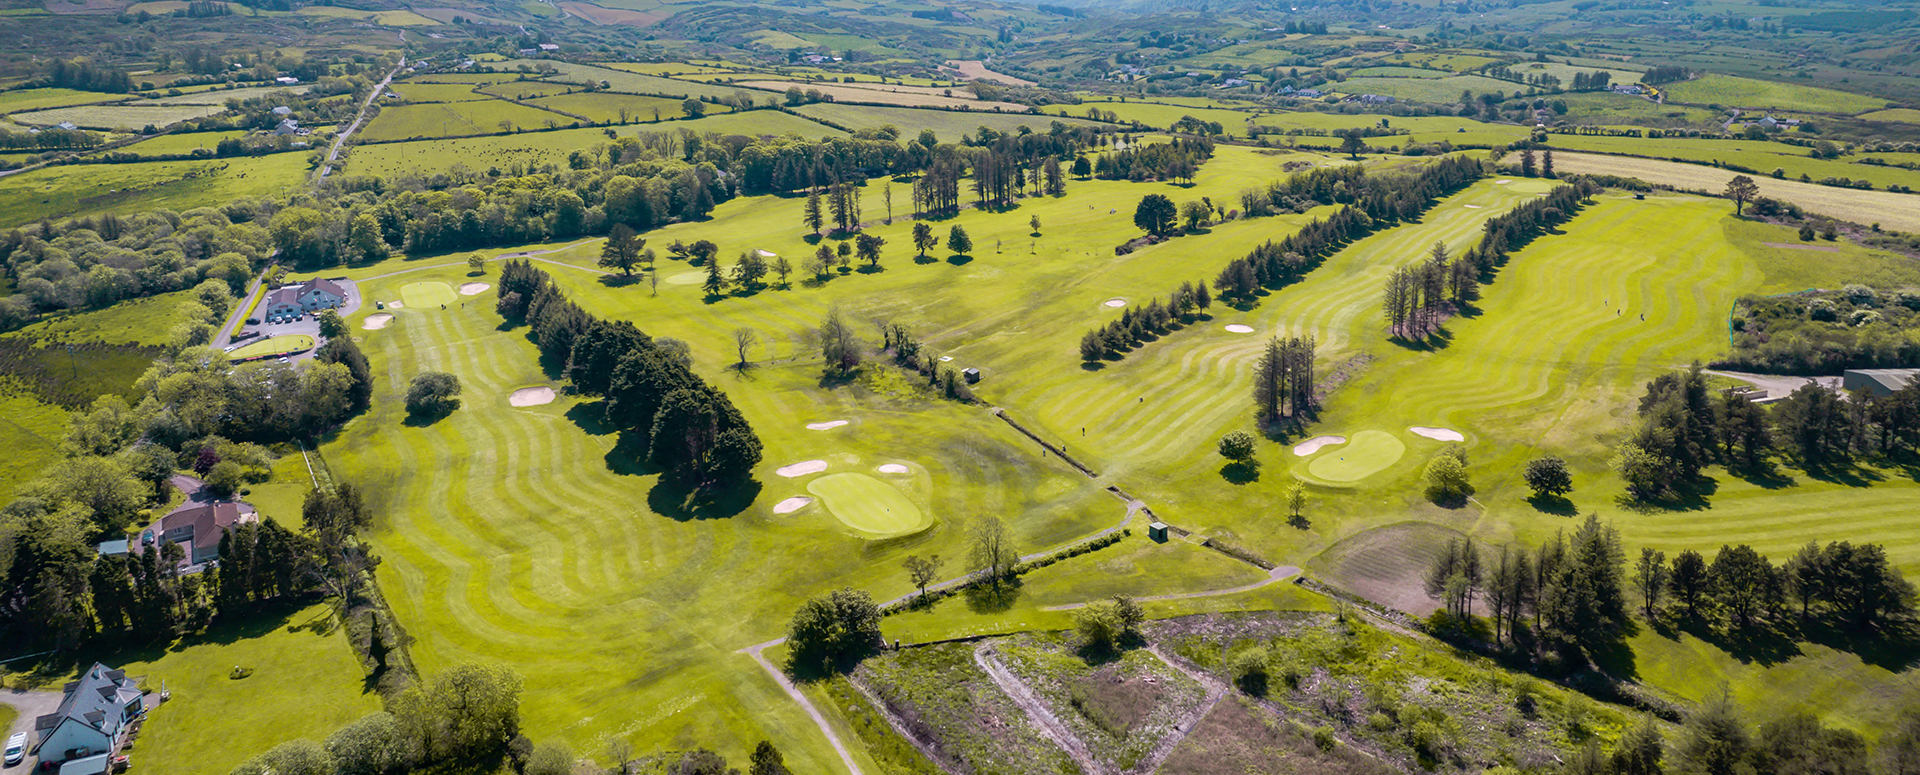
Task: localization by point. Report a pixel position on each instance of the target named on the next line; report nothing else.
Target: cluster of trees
(1825, 332)
(49, 138)
(1597, 80)
(1684, 428)
(1573, 588)
(907, 352)
(691, 429)
(1283, 379)
(1143, 323)
(1715, 739)
(1420, 295)
(1176, 160)
(1857, 586)
(1373, 202)
(86, 76)
(97, 261)
(833, 631)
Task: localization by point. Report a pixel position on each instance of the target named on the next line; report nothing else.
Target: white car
(16, 749)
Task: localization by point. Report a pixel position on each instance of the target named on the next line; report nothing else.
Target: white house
(92, 719)
(286, 80)
(295, 300)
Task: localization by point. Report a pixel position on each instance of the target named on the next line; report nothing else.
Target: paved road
(31, 705)
(239, 314)
(1778, 386)
(334, 152)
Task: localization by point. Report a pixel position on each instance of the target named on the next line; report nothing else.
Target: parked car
(253, 321)
(16, 749)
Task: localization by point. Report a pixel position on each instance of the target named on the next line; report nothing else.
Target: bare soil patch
(976, 70)
(376, 322)
(802, 469)
(533, 396)
(473, 289)
(792, 504)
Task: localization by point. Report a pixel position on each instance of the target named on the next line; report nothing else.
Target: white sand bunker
(396, 305)
(1473, 207)
(1438, 434)
(766, 254)
(1314, 444)
(1501, 182)
(894, 468)
(825, 426)
(802, 469)
(1115, 303)
(473, 289)
(1239, 329)
(376, 322)
(792, 504)
(533, 396)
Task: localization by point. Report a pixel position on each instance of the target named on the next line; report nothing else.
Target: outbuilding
(1157, 531)
(1879, 382)
(971, 375)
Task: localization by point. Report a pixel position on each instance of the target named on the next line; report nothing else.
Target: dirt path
(1278, 574)
(756, 651)
(1037, 712)
(1216, 689)
(326, 168)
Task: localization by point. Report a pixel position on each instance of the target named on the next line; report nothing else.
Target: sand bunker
(1501, 182)
(792, 504)
(1115, 303)
(894, 468)
(533, 396)
(1314, 444)
(473, 289)
(396, 305)
(825, 426)
(1438, 434)
(1473, 207)
(376, 322)
(802, 469)
(1239, 329)
(766, 254)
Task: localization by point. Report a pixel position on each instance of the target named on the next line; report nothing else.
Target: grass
(1386, 564)
(949, 125)
(1366, 453)
(1155, 115)
(1900, 212)
(905, 96)
(143, 321)
(31, 431)
(427, 294)
(87, 189)
(279, 345)
(535, 148)
(181, 143)
(120, 115)
(404, 122)
(637, 83)
(220, 96)
(868, 505)
(1424, 89)
(606, 106)
(439, 92)
(1734, 91)
(1762, 157)
(1609, 108)
(26, 100)
(1898, 115)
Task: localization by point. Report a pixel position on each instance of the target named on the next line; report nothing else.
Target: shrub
(1237, 446)
(1862, 317)
(433, 394)
(1822, 309)
(1249, 670)
(1859, 295)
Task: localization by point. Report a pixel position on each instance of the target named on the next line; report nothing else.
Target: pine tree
(813, 218)
(716, 283)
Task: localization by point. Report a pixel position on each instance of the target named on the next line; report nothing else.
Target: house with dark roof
(198, 527)
(93, 718)
(296, 300)
(1879, 382)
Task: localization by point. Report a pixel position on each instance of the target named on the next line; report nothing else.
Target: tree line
(1176, 160)
(1139, 324)
(689, 428)
(1372, 202)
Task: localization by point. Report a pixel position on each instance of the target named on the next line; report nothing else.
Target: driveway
(32, 705)
(307, 325)
(1778, 386)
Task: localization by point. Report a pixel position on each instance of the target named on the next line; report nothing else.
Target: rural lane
(326, 167)
(1777, 386)
(755, 651)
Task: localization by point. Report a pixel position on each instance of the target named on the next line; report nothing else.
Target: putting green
(1368, 453)
(868, 505)
(279, 345)
(427, 295)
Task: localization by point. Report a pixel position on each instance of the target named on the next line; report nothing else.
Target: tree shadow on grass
(1753, 644)
(676, 500)
(1439, 340)
(619, 281)
(428, 420)
(925, 259)
(1847, 474)
(629, 455)
(994, 598)
(1895, 647)
(1557, 505)
(1240, 472)
(591, 418)
(1091, 366)
(1769, 477)
(959, 259)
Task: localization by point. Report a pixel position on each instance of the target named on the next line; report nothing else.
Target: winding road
(334, 152)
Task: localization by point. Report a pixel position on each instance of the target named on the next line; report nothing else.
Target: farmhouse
(198, 528)
(296, 300)
(286, 80)
(92, 721)
(1879, 382)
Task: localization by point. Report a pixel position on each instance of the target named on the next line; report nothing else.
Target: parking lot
(308, 324)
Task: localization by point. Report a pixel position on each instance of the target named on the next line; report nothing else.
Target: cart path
(1037, 712)
(1278, 574)
(755, 651)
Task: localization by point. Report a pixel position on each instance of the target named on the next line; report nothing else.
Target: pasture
(118, 116)
(27, 100)
(182, 143)
(1762, 157)
(450, 119)
(1900, 212)
(907, 96)
(606, 107)
(220, 96)
(1425, 89)
(949, 125)
(1751, 93)
(85, 189)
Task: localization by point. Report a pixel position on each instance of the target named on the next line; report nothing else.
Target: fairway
(867, 504)
(428, 294)
(279, 345)
(1369, 453)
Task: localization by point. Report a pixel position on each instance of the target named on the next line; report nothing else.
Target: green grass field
(868, 505)
(31, 432)
(425, 295)
(119, 116)
(606, 106)
(220, 96)
(426, 157)
(1763, 157)
(1366, 453)
(26, 100)
(1424, 89)
(436, 92)
(279, 345)
(949, 125)
(1895, 211)
(1734, 91)
(181, 142)
(86, 189)
(1898, 115)
(405, 122)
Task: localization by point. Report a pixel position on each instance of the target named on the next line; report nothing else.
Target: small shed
(1157, 531)
(971, 375)
(113, 548)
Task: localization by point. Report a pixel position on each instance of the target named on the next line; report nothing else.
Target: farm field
(606, 106)
(118, 116)
(636, 83)
(1625, 109)
(1762, 157)
(220, 96)
(1155, 115)
(1894, 211)
(949, 125)
(1424, 89)
(415, 92)
(1901, 115)
(85, 189)
(450, 119)
(27, 100)
(1734, 91)
(906, 95)
(426, 157)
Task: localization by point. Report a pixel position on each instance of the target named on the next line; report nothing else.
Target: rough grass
(220, 96)
(606, 106)
(426, 157)
(32, 431)
(949, 125)
(947, 701)
(1387, 565)
(903, 96)
(1239, 736)
(1423, 89)
(1734, 91)
(279, 345)
(1761, 157)
(1120, 707)
(181, 143)
(403, 122)
(25, 100)
(87, 189)
(118, 116)
(437, 92)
